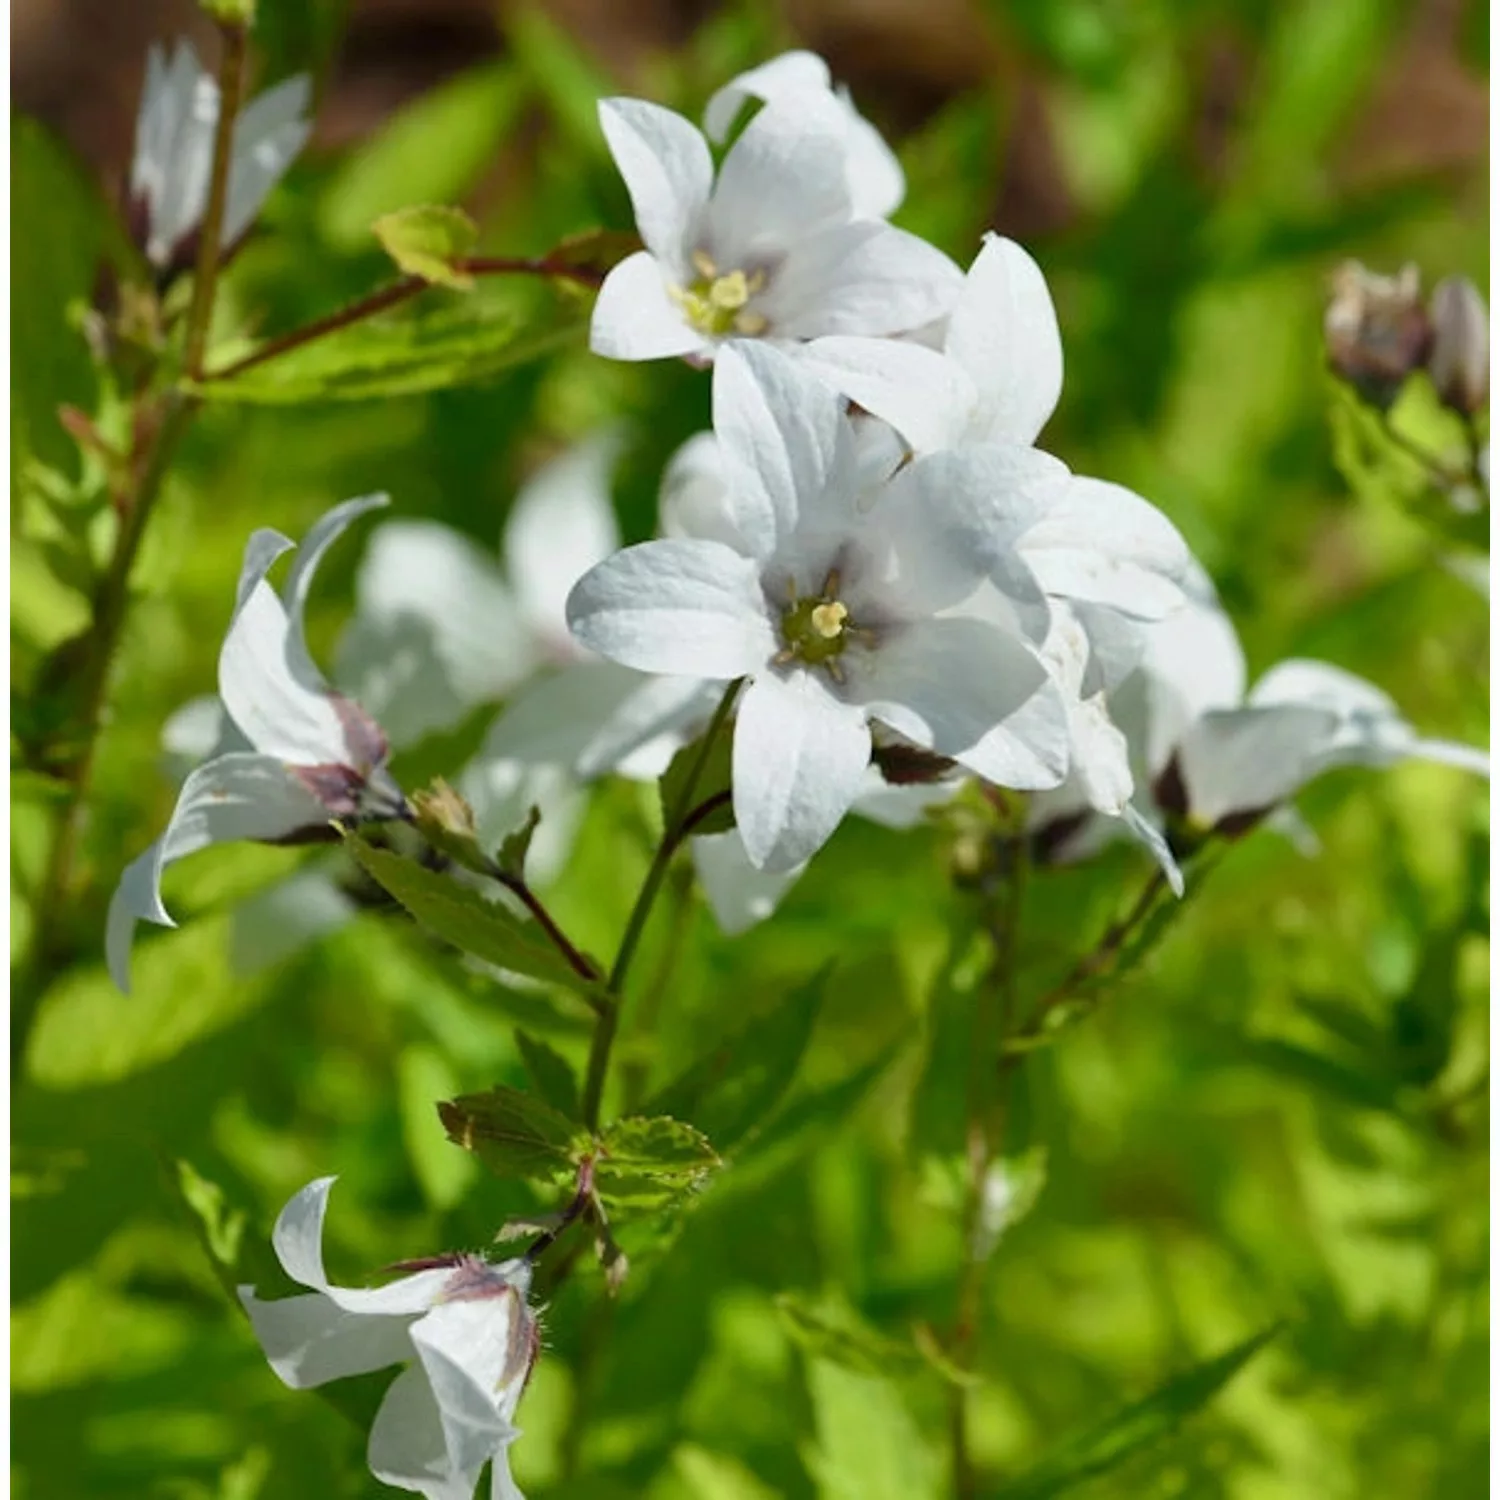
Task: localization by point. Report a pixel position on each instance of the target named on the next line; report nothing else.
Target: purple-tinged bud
(1376, 330)
(1459, 360)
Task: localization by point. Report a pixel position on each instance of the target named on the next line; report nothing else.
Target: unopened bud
(1376, 329)
(1459, 361)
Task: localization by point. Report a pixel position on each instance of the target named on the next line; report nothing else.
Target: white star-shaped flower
(772, 249)
(460, 1325)
(174, 140)
(293, 754)
(845, 606)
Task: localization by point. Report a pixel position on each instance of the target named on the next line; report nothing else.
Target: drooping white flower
(459, 1324)
(292, 755)
(846, 605)
(771, 249)
(875, 179)
(174, 137)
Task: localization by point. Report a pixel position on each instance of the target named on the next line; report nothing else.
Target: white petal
(1104, 544)
(1322, 685)
(1154, 841)
(473, 1352)
(634, 318)
(304, 566)
(686, 608)
(1250, 759)
(799, 761)
(924, 395)
(1029, 750)
(945, 683)
(902, 807)
(1003, 331)
(235, 796)
(407, 1447)
(648, 725)
(174, 170)
(781, 181)
(781, 434)
(668, 173)
(555, 716)
(502, 793)
(310, 1341)
(738, 894)
(1448, 753)
(876, 182)
(792, 73)
(864, 278)
(695, 499)
(267, 138)
(561, 524)
(1115, 646)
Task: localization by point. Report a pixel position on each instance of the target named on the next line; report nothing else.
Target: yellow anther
(730, 293)
(828, 619)
(704, 265)
(751, 324)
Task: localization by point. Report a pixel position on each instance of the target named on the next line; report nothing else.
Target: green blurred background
(1283, 1115)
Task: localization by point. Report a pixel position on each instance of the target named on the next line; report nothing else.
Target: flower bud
(1459, 360)
(1376, 329)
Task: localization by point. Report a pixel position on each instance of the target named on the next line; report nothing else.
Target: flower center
(817, 629)
(718, 303)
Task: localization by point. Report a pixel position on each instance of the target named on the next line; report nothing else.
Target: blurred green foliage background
(1282, 1115)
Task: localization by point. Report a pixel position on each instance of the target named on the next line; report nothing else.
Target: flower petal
(561, 524)
(793, 73)
(304, 566)
(235, 796)
(866, 277)
(1250, 759)
(310, 1341)
(924, 395)
(781, 181)
(695, 499)
(267, 138)
(407, 1445)
(1003, 331)
(668, 172)
(634, 318)
(685, 608)
(781, 440)
(738, 894)
(798, 764)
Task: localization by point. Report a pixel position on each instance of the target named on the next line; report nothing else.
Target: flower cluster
(867, 555)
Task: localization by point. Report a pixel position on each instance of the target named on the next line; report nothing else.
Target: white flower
(846, 606)
(174, 137)
(875, 179)
(292, 755)
(772, 249)
(461, 1326)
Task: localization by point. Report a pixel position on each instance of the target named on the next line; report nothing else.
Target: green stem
(674, 830)
(206, 276)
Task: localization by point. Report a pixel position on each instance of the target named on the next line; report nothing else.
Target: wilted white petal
(310, 1341)
(798, 763)
(738, 894)
(1154, 841)
(685, 608)
(634, 318)
(236, 796)
(323, 533)
(668, 173)
(1003, 331)
(561, 524)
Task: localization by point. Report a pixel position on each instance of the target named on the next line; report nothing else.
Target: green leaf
(427, 240)
(430, 344)
(869, 1445)
(561, 73)
(516, 845)
(843, 1339)
(423, 1076)
(482, 929)
(1135, 1427)
(650, 1165)
(552, 1074)
(733, 1089)
(516, 1134)
(809, 1114)
(711, 782)
(61, 231)
(432, 150)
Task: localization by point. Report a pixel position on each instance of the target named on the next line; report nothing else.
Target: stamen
(828, 619)
(703, 264)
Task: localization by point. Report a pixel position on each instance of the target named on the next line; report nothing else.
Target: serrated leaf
(515, 1134)
(552, 1074)
(480, 928)
(431, 343)
(647, 1166)
(730, 1091)
(1134, 1428)
(428, 240)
